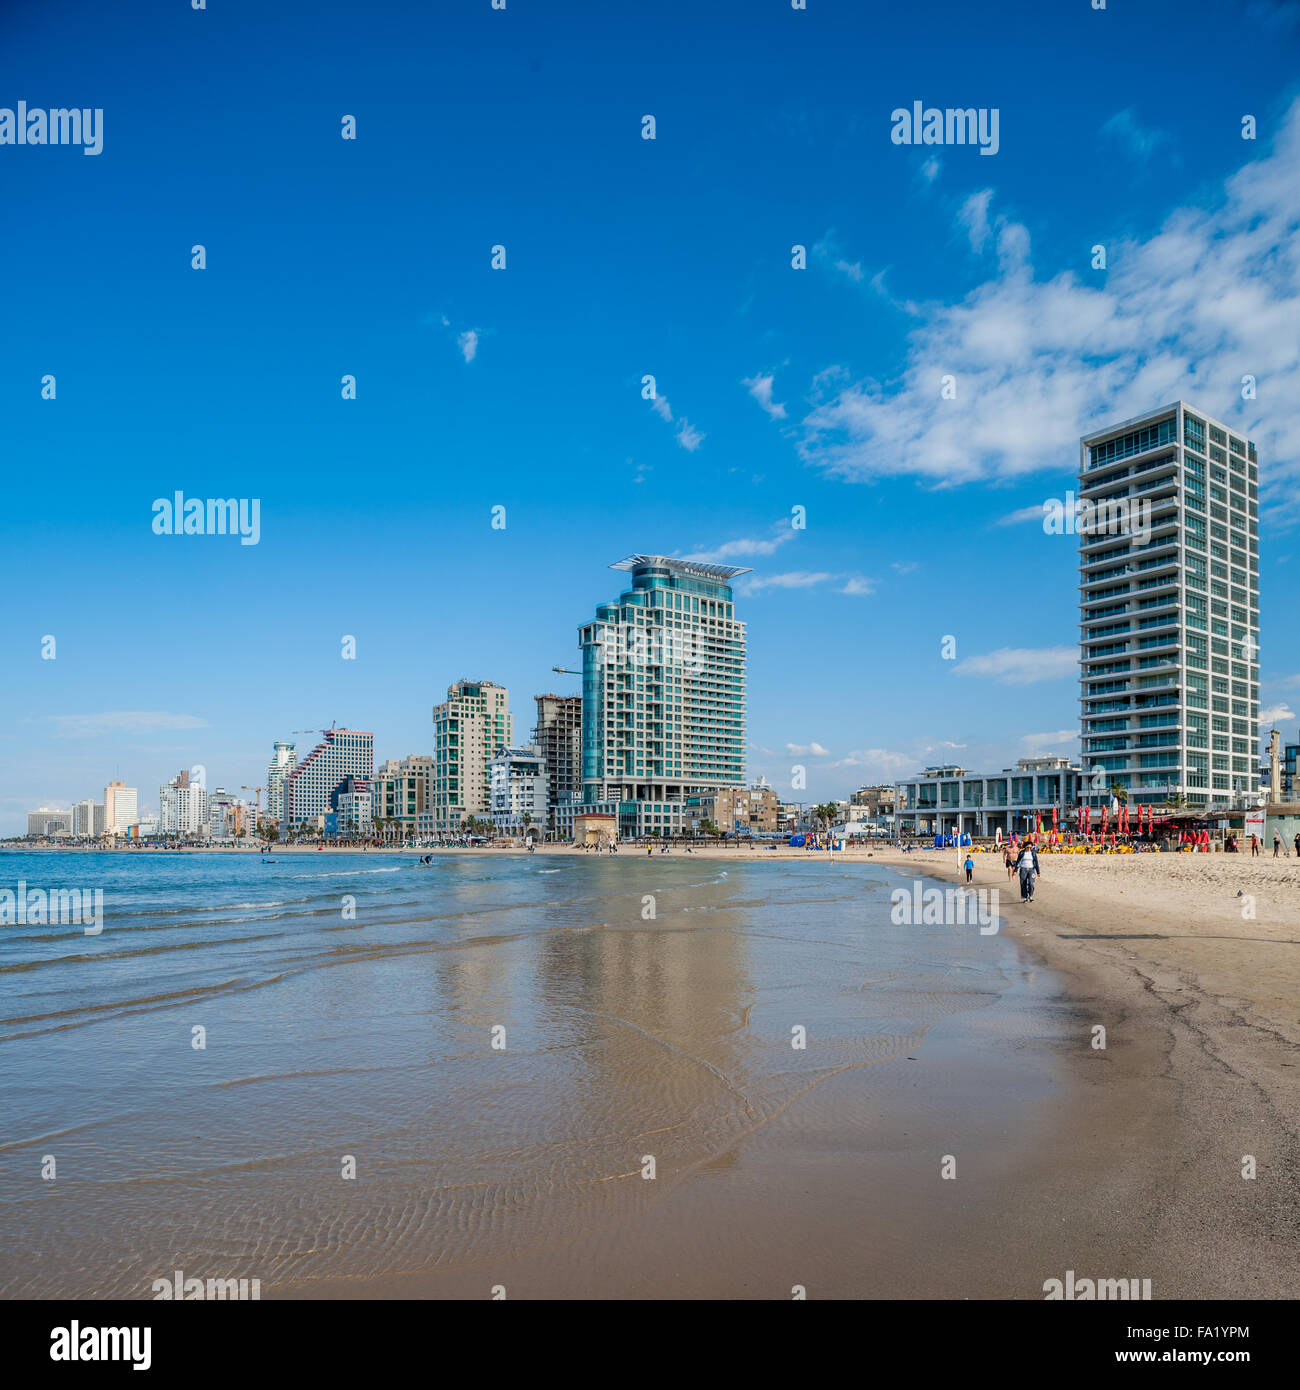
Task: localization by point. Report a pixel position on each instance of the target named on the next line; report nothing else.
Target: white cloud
(689, 437)
(1022, 665)
(790, 579)
(930, 169)
(1060, 741)
(827, 250)
(1139, 141)
(1211, 296)
(782, 534)
(468, 344)
(1281, 713)
(1034, 513)
(878, 764)
(120, 721)
(807, 750)
(903, 566)
(854, 585)
(974, 216)
(760, 387)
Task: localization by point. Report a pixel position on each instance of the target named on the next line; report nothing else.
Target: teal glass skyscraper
(663, 695)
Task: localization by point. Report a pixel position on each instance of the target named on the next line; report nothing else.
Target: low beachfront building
(752, 810)
(950, 800)
(594, 827)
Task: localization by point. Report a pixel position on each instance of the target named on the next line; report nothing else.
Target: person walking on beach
(1297, 844)
(969, 867)
(1277, 843)
(1028, 866)
(1009, 860)
(1254, 846)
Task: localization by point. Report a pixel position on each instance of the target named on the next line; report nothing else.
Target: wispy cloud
(974, 216)
(807, 750)
(1060, 741)
(782, 534)
(1038, 362)
(760, 387)
(687, 435)
(877, 764)
(1281, 713)
(903, 566)
(1137, 140)
(853, 585)
(1022, 665)
(468, 344)
(120, 721)
(1021, 515)
(790, 579)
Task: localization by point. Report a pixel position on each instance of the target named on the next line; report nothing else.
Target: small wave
(351, 873)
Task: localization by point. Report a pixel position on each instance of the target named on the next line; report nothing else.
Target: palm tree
(1119, 791)
(528, 820)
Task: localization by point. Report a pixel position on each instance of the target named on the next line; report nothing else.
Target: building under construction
(559, 736)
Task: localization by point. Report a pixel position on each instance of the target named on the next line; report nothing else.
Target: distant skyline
(777, 388)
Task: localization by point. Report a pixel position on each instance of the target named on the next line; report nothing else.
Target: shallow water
(349, 1005)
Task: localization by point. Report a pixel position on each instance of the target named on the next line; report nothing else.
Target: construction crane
(330, 730)
(564, 671)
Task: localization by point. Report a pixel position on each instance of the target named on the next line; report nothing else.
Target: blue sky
(816, 388)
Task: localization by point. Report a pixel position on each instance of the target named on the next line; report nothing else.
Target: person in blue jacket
(969, 867)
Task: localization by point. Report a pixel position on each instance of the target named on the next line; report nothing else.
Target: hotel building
(88, 819)
(121, 808)
(558, 735)
(284, 759)
(1169, 622)
(663, 695)
(310, 786)
(48, 824)
(468, 728)
(950, 800)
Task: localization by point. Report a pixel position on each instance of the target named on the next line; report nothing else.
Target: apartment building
(519, 789)
(403, 797)
(1169, 609)
(469, 728)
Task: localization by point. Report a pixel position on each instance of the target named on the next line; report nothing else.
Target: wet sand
(776, 1168)
(1122, 1162)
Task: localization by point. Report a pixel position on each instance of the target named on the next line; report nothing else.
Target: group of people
(1022, 861)
(1279, 845)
